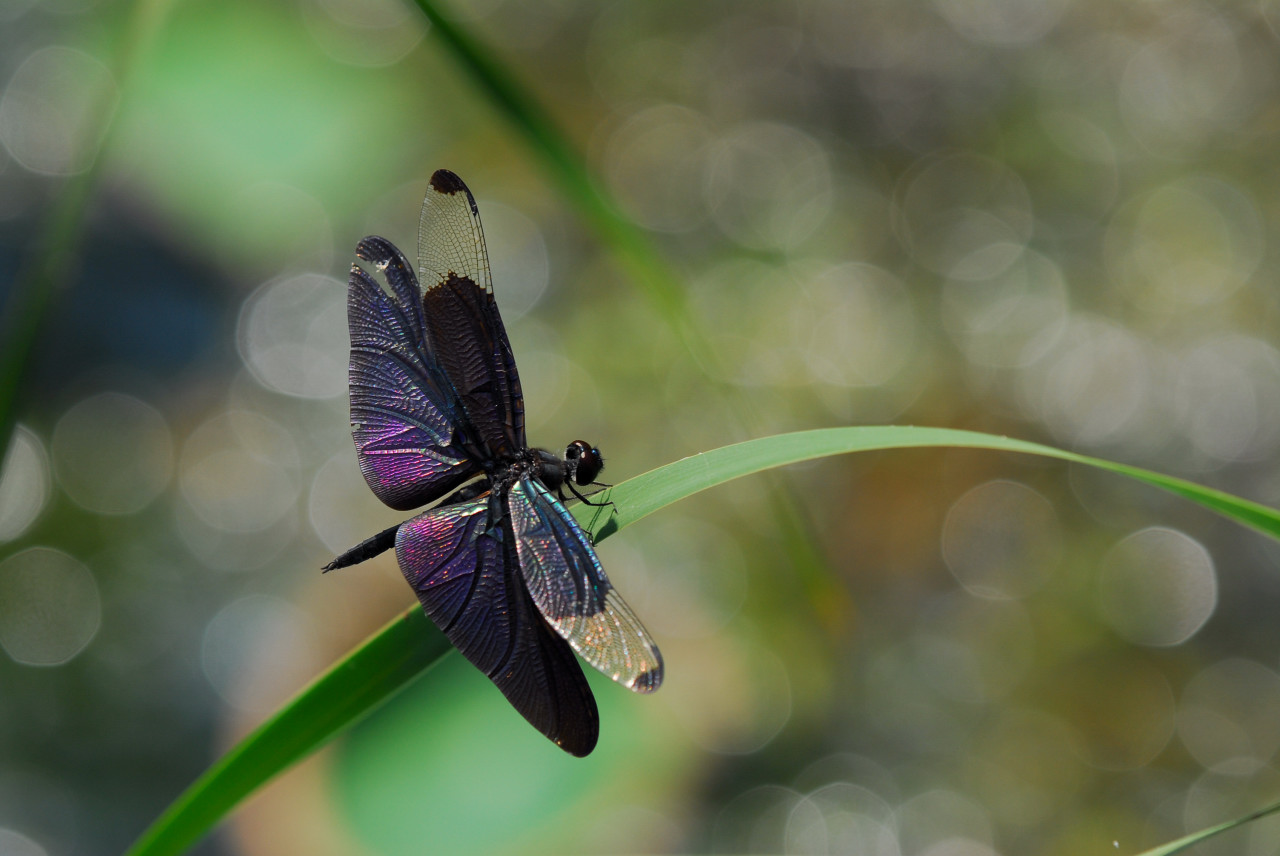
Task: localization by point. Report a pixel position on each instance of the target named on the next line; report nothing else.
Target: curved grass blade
(649, 270)
(646, 493)
(394, 657)
(373, 673)
(1196, 837)
(564, 165)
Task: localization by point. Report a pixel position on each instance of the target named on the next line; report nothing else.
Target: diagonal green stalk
(48, 265)
(646, 493)
(646, 266)
(1196, 837)
(387, 662)
(564, 164)
(354, 687)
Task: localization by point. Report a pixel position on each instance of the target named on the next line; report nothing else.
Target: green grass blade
(645, 494)
(1196, 837)
(647, 268)
(564, 164)
(370, 675)
(392, 658)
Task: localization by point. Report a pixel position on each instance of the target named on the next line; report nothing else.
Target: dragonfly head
(583, 462)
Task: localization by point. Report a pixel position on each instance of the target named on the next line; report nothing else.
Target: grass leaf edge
(392, 658)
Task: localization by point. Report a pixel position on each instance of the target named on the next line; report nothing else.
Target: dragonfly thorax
(580, 465)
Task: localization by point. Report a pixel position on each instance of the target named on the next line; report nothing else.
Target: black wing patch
(463, 573)
(463, 328)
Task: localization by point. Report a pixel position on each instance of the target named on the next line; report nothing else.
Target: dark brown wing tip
(579, 746)
(444, 181)
(448, 183)
(649, 681)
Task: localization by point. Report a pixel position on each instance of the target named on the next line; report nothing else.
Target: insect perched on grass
(437, 415)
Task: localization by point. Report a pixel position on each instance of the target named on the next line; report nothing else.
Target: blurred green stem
(48, 264)
(389, 660)
(1195, 838)
(353, 688)
(657, 280)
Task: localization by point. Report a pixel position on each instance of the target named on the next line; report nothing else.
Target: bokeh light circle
(53, 109)
(365, 33)
(972, 650)
(755, 821)
(653, 160)
(963, 215)
(769, 186)
(856, 325)
(842, 817)
(1001, 540)
(238, 472)
(1230, 710)
(1097, 386)
(24, 484)
(1011, 319)
(1227, 398)
(49, 607)
(14, 843)
(1184, 83)
(1232, 789)
(1002, 22)
(1157, 587)
(112, 453)
(293, 335)
(941, 818)
(1185, 245)
(255, 632)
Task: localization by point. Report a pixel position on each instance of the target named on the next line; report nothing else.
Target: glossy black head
(583, 462)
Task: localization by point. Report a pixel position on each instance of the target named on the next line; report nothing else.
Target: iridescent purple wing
(463, 328)
(570, 588)
(462, 571)
(404, 417)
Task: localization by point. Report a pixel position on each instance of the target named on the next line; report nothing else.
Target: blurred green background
(1051, 219)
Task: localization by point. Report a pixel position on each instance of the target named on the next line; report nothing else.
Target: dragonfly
(497, 562)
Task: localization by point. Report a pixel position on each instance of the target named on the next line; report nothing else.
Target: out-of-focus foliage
(397, 655)
(1051, 220)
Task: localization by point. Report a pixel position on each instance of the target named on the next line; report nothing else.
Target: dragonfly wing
(571, 591)
(403, 415)
(462, 571)
(463, 328)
